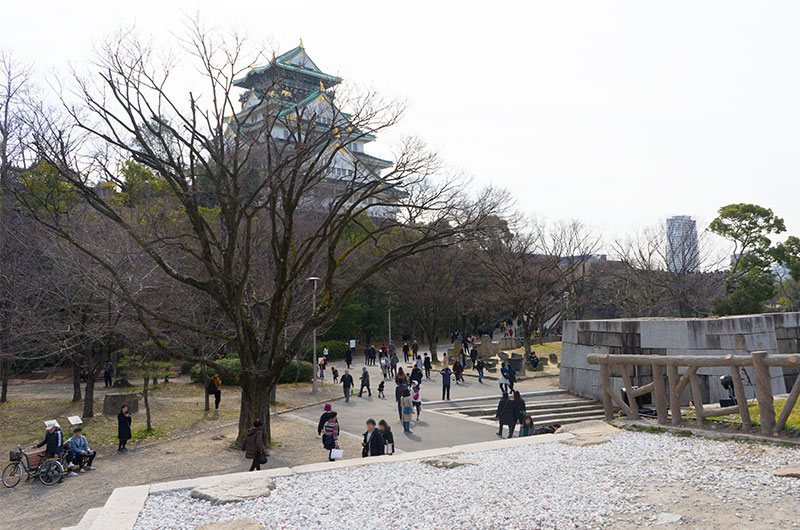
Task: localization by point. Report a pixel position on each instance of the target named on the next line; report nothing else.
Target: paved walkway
(435, 428)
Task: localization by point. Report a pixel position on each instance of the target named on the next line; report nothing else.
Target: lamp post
(389, 294)
(314, 281)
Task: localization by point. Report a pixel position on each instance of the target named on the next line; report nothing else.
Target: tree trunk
(256, 394)
(76, 381)
(5, 368)
(432, 344)
(204, 371)
(147, 403)
(88, 402)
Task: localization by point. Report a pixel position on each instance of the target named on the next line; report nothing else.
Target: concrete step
(87, 520)
(556, 416)
(530, 404)
(535, 410)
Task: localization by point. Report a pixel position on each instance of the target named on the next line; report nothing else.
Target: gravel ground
(633, 480)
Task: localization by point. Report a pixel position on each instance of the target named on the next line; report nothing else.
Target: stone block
(112, 403)
(447, 463)
(244, 489)
(244, 523)
(664, 334)
(569, 332)
(791, 471)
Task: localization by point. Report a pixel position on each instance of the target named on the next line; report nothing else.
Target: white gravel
(550, 485)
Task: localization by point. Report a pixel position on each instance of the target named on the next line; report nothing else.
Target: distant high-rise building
(683, 254)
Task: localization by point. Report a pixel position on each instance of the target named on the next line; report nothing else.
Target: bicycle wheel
(11, 474)
(50, 472)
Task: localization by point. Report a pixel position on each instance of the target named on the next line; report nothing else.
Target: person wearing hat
(324, 418)
(364, 382)
(80, 450)
(53, 439)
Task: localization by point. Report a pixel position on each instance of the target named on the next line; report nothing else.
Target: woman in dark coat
(255, 445)
(124, 428)
(506, 414)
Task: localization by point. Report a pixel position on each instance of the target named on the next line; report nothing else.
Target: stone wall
(773, 332)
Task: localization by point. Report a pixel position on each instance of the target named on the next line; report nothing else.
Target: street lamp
(314, 281)
(389, 294)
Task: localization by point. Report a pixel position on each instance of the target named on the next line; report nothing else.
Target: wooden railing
(759, 361)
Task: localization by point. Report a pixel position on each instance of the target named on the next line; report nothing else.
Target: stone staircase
(561, 408)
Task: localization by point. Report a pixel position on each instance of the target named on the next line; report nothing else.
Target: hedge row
(288, 375)
(336, 349)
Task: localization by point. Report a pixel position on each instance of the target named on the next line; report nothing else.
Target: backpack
(211, 388)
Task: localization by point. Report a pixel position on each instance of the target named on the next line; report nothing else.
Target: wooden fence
(759, 361)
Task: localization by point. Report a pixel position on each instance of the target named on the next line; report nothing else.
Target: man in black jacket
(364, 382)
(373, 443)
(507, 415)
(347, 384)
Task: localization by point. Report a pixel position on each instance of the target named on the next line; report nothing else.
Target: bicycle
(50, 471)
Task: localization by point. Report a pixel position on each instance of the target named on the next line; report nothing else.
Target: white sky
(616, 113)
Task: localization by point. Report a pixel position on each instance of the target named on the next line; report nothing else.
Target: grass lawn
(175, 408)
(792, 424)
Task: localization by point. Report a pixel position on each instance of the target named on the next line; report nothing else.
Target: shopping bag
(337, 454)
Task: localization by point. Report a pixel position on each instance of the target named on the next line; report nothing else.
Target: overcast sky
(615, 113)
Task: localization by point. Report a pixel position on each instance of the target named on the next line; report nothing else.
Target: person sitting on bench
(82, 455)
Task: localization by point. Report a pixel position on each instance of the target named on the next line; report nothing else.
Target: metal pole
(315, 367)
(389, 293)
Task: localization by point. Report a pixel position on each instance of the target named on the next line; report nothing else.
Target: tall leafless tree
(248, 215)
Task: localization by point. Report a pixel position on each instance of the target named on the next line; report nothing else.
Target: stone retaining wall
(740, 335)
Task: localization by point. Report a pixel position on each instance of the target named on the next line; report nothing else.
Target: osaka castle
(293, 87)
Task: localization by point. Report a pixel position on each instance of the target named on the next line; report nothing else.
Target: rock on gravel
(791, 471)
(447, 463)
(245, 489)
(237, 524)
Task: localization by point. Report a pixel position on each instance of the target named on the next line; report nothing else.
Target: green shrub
(186, 367)
(288, 375)
(336, 349)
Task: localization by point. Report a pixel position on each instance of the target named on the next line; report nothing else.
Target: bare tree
(681, 279)
(535, 268)
(254, 200)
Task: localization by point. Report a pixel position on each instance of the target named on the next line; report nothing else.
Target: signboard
(352, 343)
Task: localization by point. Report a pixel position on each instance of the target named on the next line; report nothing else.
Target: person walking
(373, 444)
(366, 355)
(108, 374)
(519, 409)
(503, 378)
(325, 352)
(416, 400)
(458, 371)
(406, 349)
(123, 428)
(402, 385)
(512, 377)
(348, 357)
(330, 436)
(406, 408)
(480, 365)
(255, 446)
(323, 419)
(385, 367)
(381, 388)
(364, 382)
(214, 388)
(393, 364)
(335, 374)
(418, 362)
(321, 363)
(414, 349)
(426, 363)
(347, 385)
(388, 437)
(506, 415)
(416, 375)
(473, 355)
(446, 373)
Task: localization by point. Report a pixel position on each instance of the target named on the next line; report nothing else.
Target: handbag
(406, 410)
(336, 453)
(261, 458)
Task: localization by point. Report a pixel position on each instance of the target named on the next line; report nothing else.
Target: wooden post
(605, 383)
(674, 395)
(766, 407)
(626, 378)
(741, 398)
(789, 405)
(660, 394)
(697, 397)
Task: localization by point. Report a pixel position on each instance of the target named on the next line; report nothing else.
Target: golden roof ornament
(321, 87)
(301, 42)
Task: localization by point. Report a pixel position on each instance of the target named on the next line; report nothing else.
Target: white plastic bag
(337, 454)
